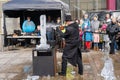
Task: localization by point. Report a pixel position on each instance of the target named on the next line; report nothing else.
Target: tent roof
(35, 4)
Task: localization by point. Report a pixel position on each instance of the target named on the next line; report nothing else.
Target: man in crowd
(118, 35)
(112, 30)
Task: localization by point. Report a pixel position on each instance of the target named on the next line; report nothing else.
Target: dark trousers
(112, 44)
(100, 45)
(81, 44)
(64, 65)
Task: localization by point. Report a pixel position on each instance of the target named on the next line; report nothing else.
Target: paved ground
(13, 62)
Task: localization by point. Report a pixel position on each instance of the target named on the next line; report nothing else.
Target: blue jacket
(28, 26)
(87, 27)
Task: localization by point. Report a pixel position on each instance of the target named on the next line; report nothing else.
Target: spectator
(95, 29)
(108, 18)
(118, 35)
(81, 24)
(49, 31)
(104, 26)
(28, 26)
(103, 36)
(87, 37)
(112, 30)
(37, 31)
(101, 41)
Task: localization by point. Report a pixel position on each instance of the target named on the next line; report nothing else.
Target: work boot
(61, 74)
(95, 48)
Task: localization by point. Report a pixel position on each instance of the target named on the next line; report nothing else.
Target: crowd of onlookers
(94, 33)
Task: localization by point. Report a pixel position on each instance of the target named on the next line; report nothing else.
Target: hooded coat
(87, 30)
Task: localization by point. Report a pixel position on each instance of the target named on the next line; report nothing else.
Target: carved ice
(43, 41)
(108, 69)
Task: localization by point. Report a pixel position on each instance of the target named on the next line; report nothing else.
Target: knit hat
(96, 16)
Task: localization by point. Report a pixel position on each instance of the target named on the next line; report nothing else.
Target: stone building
(77, 7)
(1, 25)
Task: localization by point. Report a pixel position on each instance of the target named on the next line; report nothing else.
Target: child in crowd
(104, 35)
(95, 29)
(87, 36)
(101, 40)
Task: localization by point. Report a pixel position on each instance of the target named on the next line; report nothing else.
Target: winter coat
(72, 40)
(112, 30)
(96, 38)
(95, 25)
(28, 26)
(81, 34)
(87, 36)
(118, 35)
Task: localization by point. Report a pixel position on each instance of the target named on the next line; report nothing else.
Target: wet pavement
(13, 62)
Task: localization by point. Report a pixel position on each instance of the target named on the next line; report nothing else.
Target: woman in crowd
(95, 29)
(108, 18)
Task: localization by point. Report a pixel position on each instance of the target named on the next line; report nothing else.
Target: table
(20, 38)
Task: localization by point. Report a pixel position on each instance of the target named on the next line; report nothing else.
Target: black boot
(61, 74)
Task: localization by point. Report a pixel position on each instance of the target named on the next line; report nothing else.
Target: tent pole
(62, 16)
(4, 24)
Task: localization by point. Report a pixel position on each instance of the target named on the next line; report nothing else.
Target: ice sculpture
(43, 41)
(108, 69)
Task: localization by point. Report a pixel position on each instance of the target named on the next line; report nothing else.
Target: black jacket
(72, 39)
(112, 30)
